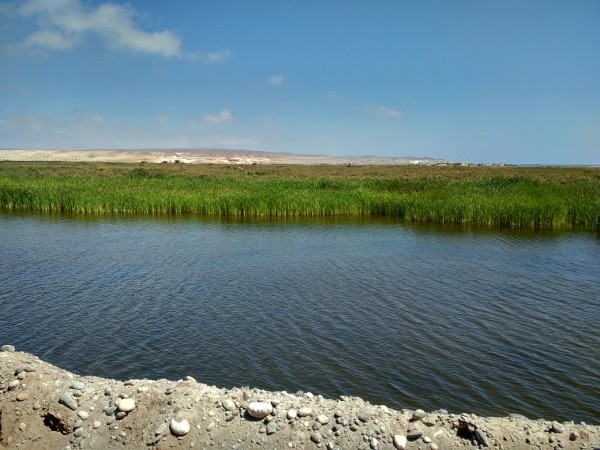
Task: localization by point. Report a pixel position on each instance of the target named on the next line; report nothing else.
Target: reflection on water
(477, 320)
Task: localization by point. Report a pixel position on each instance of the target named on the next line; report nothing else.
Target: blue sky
(481, 81)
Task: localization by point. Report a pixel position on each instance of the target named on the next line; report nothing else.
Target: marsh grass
(540, 197)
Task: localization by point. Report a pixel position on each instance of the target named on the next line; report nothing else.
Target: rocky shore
(45, 407)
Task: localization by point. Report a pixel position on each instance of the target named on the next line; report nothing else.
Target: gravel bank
(43, 406)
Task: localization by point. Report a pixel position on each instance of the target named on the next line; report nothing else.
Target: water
(490, 322)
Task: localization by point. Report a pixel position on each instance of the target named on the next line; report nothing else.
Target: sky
(482, 81)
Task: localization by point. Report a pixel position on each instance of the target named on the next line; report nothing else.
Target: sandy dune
(201, 156)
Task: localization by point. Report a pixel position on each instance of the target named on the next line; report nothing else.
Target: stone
(97, 424)
(573, 436)
(259, 410)
(78, 423)
(126, 405)
(37, 405)
(83, 414)
(228, 404)
(79, 385)
(271, 428)
(558, 427)
(120, 415)
(426, 439)
(481, 437)
(414, 435)
(210, 426)
(304, 412)
(110, 410)
(22, 396)
(68, 400)
(179, 427)
(418, 414)
(323, 419)
(517, 417)
(433, 446)
(400, 441)
(78, 432)
(316, 438)
(363, 416)
(292, 414)
(8, 348)
(13, 384)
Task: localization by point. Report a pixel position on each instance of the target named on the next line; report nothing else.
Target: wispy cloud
(275, 80)
(64, 24)
(224, 116)
(80, 129)
(218, 56)
(162, 118)
(384, 112)
(21, 90)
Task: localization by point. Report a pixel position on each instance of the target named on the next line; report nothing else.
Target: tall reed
(554, 198)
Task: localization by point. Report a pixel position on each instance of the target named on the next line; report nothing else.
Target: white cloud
(218, 56)
(79, 129)
(21, 90)
(224, 116)
(275, 80)
(162, 118)
(385, 112)
(64, 24)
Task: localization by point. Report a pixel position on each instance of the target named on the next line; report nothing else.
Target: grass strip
(520, 197)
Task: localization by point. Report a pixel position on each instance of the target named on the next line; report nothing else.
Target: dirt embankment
(45, 407)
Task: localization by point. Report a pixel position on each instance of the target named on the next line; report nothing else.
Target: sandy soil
(45, 407)
(206, 156)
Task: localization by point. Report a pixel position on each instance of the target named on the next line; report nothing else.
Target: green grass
(541, 197)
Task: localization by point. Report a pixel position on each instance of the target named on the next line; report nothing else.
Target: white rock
(322, 419)
(83, 414)
(126, 405)
(259, 410)
(303, 412)
(179, 428)
(400, 442)
(292, 414)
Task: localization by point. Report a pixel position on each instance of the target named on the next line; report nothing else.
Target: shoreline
(42, 405)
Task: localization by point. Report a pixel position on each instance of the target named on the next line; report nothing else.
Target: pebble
(316, 438)
(271, 428)
(573, 436)
(83, 414)
(323, 419)
(558, 427)
(292, 414)
(37, 405)
(23, 427)
(78, 432)
(13, 384)
(121, 415)
(426, 439)
(22, 396)
(363, 416)
(210, 426)
(414, 435)
(97, 424)
(418, 414)
(517, 416)
(78, 423)
(143, 389)
(400, 441)
(481, 437)
(259, 410)
(8, 348)
(228, 404)
(79, 385)
(179, 428)
(67, 400)
(304, 412)
(126, 405)
(433, 446)
(110, 410)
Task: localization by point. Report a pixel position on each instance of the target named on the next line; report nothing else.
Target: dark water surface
(491, 322)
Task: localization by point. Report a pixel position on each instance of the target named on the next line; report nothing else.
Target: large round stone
(259, 410)
(179, 427)
(126, 405)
